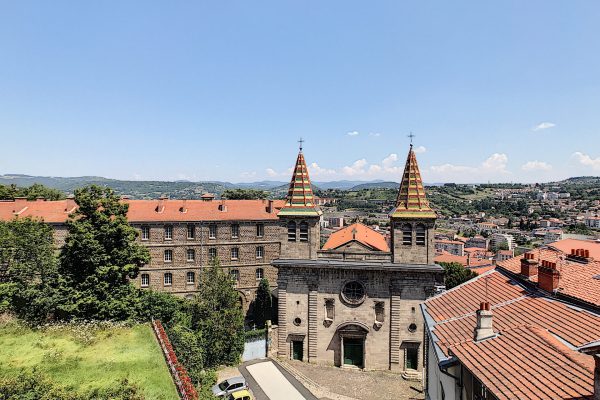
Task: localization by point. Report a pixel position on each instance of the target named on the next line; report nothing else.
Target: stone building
(355, 302)
(183, 235)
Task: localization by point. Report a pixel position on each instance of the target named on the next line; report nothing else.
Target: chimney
(70, 204)
(269, 206)
(548, 276)
(581, 256)
(222, 207)
(161, 204)
(529, 265)
(597, 377)
(484, 329)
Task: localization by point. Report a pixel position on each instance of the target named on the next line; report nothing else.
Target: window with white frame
(168, 279)
(260, 230)
(260, 251)
(145, 232)
(191, 231)
(235, 231)
(168, 232)
(145, 280)
(191, 254)
(168, 255)
(260, 273)
(212, 253)
(190, 278)
(235, 275)
(235, 253)
(212, 231)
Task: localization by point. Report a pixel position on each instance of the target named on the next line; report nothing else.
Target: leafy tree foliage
(99, 257)
(9, 192)
(263, 303)
(244, 194)
(216, 313)
(28, 265)
(455, 274)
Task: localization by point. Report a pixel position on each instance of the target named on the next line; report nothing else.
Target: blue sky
(222, 90)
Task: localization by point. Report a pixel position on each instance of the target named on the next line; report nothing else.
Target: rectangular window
(168, 255)
(235, 275)
(235, 231)
(212, 253)
(191, 231)
(407, 235)
(191, 255)
(235, 252)
(168, 232)
(260, 273)
(190, 278)
(145, 280)
(260, 251)
(145, 232)
(212, 231)
(303, 231)
(168, 279)
(260, 230)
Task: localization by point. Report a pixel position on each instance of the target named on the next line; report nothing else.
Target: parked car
(229, 386)
(240, 395)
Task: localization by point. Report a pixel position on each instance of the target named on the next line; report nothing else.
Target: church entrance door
(297, 350)
(354, 352)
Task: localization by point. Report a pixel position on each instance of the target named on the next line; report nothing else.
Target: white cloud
(586, 160)
(374, 134)
(536, 166)
(492, 168)
(420, 149)
(543, 125)
(353, 133)
(316, 171)
(389, 160)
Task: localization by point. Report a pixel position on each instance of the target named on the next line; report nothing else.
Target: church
(355, 302)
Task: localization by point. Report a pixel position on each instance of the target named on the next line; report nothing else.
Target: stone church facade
(354, 304)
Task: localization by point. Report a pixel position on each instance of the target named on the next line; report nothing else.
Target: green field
(85, 358)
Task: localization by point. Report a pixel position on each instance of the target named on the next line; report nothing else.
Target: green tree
(244, 194)
(99, 257)
(216, 314)
(263, 303)
(28, 257)
(455, 274)
(9, 192)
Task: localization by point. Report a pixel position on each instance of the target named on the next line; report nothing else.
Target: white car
(229, 386)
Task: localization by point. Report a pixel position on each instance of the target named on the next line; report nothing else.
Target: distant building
(336, 222)
(477, 241)
(454, 247)
(324, 201)
(498, 240)
(503, 255)
(592, 222)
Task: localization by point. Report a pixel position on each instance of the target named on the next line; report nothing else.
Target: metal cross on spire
(411, 136)
(301, 141)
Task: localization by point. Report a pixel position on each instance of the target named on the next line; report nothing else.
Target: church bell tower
(412, 220)
(300, 217)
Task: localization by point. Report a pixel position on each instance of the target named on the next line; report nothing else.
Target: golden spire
(300, 200)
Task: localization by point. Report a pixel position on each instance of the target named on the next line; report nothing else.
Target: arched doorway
(352, 336)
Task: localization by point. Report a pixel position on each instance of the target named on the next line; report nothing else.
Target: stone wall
(413, 253)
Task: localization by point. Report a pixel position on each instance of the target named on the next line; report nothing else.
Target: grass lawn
(85, 357)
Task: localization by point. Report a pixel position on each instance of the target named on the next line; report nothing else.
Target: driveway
(270, 382)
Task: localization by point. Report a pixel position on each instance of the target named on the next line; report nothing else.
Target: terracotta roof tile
(152, 210)
(528, 363)
(360, 233)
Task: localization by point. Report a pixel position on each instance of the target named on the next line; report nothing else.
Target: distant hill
(376, 185)
(580, 180)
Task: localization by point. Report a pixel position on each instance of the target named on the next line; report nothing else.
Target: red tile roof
(577, 280)
(511, 364)
(528, 363)
(359, 232)
(463, 260)
(151, 210)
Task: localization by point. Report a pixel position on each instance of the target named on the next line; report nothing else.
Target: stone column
(282, 345)
(312, 321)
(395, 302)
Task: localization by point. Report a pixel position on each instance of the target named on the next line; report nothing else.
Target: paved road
(269, 382)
